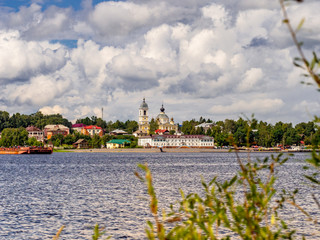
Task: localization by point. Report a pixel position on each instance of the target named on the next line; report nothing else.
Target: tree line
(226, 132)
(40, 120)
(254, 132)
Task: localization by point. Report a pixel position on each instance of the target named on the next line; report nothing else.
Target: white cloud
(266, 105)
(53, 110)
(202, 58)
(250, 80)
(119, 18)
(217, 13)
(40, 91)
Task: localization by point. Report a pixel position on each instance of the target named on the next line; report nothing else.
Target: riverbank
(173, 150)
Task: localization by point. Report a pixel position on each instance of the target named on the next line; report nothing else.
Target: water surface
(40, 193)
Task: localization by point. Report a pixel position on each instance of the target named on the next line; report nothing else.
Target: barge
(26, 150)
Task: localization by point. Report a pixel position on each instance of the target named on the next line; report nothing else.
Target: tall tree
(13, 137)
(153, 126)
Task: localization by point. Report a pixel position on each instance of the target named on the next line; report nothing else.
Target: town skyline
(219, 60)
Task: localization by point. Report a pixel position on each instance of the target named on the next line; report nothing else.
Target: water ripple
(41, 193)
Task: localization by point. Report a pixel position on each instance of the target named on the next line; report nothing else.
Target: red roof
(161, 131)
(78, 125)
(33, 129)
(92, 127)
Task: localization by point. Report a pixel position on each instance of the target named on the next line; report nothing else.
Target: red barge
(26, 150)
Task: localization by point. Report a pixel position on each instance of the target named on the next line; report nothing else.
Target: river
(40, 193)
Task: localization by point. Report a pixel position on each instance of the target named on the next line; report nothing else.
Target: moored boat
(26, 150)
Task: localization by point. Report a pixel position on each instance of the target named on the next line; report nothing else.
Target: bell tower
(144, 126)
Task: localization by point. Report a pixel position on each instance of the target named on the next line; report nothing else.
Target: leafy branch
(301, 61)
(244, 206)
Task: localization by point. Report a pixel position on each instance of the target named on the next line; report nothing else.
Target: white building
(205, 126)
(176, 141)
(35, 132)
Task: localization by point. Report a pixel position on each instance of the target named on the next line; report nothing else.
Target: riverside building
(176, 141)
(163, 138)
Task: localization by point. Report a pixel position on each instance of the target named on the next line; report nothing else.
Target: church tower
(144, 126)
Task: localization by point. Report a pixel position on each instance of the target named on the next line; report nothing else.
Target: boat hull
(26, 150)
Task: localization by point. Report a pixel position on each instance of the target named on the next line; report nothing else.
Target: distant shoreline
(170, 150)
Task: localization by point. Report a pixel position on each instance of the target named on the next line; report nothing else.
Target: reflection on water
(41, 193)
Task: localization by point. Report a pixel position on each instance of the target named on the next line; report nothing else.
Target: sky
(219, 59)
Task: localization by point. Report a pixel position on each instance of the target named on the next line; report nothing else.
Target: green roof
(119, 141)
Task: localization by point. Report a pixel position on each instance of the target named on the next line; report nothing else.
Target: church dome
(162, 117)
(144, 105)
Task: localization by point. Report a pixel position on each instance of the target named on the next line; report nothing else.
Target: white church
(166, 140)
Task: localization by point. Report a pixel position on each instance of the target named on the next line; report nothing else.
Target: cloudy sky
(212, 58)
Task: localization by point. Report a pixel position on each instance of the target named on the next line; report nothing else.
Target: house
(78, 127)
(117, 143)
(92, 130)
(139, 133)
(176, 141)
(81, 143)
(204, 126)
(51, 130)
(118, 132)
(35, 132)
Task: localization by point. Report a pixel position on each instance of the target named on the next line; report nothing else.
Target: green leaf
(312, 179)
(300, 24)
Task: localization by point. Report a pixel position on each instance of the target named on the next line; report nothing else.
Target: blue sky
(75, 4)
(216, 59)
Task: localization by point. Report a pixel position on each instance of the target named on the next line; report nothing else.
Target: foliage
(36, 119)
(98, 232)
(33, 142)
(95, 142)
(221, 213)
(153, 126)
(14, 137)
(261, 133)
(311, 67)
(93, 121)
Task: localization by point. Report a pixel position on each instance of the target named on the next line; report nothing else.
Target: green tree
(241, 132)
(229, 126)
(131, 126)
(14, 137)
(69, 139)
(153, 126)
(199, 131)
(118, 125)
(188, 127)
(172, 132)
(101, 123)
(4, 120)
(17, 120)
(57, 140)
(277, 134)
(263, 135)
(209, 132)
(33, 142)
(220, 136)
(95, 142)
(105, 138)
